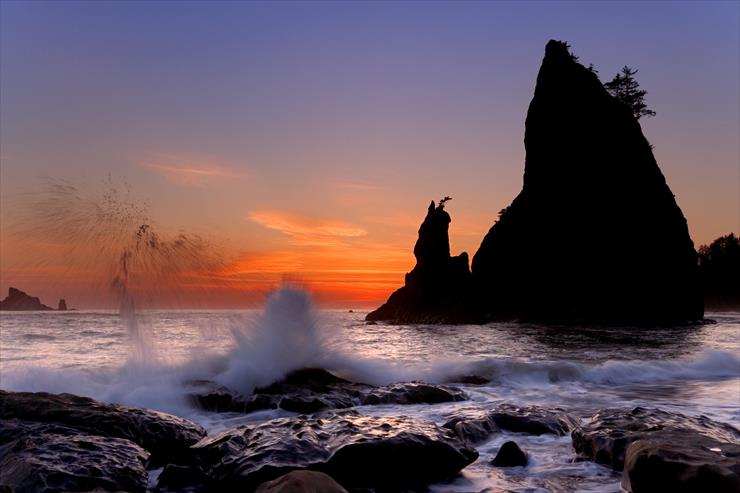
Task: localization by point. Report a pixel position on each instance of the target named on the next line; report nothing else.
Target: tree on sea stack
(625, 88)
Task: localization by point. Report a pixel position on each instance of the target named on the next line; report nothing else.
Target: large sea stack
(595, 235)
(437, 290)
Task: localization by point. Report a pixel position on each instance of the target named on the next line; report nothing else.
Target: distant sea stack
(437, 290)
(62, 305)
(18, 300)
(595, 235)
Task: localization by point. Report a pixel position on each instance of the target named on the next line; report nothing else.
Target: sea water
(692, 370)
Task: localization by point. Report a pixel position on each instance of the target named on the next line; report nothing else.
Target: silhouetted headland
(595, 236)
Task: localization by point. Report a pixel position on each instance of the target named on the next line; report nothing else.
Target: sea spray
(286, 336)
(109, 235)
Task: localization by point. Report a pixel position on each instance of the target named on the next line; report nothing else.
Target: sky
(303, 141)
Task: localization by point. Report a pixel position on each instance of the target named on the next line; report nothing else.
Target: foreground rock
(510, 455)
(18, 300)
(391, 453)
(313, 389)
(438, 288)
(662, 451)
(43, 457)
(302, 482)
(476, 425)
(595, 235)
(166, 437)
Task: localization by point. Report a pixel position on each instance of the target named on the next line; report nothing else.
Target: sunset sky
(304, 141)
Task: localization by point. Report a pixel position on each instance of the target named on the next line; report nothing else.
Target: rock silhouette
(437, 290)
(18, 300)
(510, 455)
(595, 235)
(62, 305)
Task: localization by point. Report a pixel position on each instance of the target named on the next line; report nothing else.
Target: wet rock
(533, 420)
(311, 403)
(45, 458)
(311, 390)
(210, 396)
(302, 482)
(584, 148)
(437, 290)
(471, 380)
(663, 451)
(18, 300)
(606, 437)
(510, 455)
(681, 462)
(413, 393)
(476, 425)
(165, 436)
(357, 451)
(472, 425)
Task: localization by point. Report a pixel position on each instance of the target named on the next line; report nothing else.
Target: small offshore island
(18, 300)
(595, 237)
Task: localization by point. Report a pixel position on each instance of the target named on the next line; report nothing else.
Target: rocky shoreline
(51, 443)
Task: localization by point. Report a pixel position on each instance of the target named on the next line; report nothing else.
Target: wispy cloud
(185, 170)
(305, 230)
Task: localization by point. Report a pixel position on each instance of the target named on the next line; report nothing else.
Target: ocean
(146, 359)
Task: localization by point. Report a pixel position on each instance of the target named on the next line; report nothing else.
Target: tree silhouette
(719, 266)
(625, 88)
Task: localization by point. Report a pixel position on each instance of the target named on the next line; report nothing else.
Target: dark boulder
(595, 235)
(46, 458)
(18, 300)
(475, 425)
(606, 437)
(510, 455)
(302, 482)
(357, 451)
(176, 478)
(437, 290)
(166, 437)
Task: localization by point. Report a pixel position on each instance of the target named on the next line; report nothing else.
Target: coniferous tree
(625, 88)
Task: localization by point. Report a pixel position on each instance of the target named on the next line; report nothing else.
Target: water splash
(110, 235)
(286, 336)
